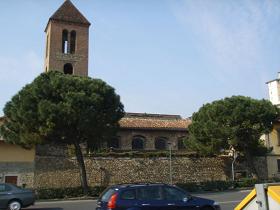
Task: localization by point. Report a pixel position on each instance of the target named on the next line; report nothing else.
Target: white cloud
(231, 33)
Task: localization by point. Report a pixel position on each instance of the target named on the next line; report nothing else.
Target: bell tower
(67, 38)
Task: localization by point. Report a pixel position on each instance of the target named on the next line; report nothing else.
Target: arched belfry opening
(72, 42)
(65, 41)
(68, 68)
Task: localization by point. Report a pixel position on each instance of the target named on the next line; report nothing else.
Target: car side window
(149, 193)
(171, 193)
(129, 195)
(4, 188)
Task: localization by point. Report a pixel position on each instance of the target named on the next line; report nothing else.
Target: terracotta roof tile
(157, 123)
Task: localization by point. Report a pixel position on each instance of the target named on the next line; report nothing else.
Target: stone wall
(63, 172)
(242, 167)
(23, 170)
(55, 168)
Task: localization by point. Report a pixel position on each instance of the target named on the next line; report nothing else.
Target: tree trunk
(250, 162)
(82, 168)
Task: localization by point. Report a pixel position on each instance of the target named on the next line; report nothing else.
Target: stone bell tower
(67, 38)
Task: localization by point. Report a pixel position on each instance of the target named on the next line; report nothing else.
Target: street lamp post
(234, 156)
(170, 162)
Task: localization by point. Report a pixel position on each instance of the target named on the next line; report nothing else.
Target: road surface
(227, 200)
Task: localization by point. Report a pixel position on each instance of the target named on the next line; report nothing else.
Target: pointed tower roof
(67, 12)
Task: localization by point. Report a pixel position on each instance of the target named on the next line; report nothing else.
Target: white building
(274, 90)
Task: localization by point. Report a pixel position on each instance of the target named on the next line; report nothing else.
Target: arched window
(138, 143)
(65, 41)
(72, 42)
(160, 143)
(68, 68)
(114, 143)
(181, 144)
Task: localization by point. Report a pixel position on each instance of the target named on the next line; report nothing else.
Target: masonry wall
(126, 137)
(16, 161)
(55, 59)
(55, 168)
(63, 172)
(23, 170)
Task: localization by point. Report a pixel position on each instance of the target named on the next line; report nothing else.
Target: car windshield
(107, 194)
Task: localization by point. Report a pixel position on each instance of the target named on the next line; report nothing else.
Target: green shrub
(247, 182)
(70, 192)
(190, 187)
(206, 186)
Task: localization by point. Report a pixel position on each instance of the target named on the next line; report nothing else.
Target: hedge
(69, 192)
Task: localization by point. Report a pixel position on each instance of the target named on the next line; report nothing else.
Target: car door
(5, 195)
(127, 199)
(150, 198)
(176, 199)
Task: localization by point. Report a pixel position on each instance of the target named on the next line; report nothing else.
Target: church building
(67, 44)
(67, 51)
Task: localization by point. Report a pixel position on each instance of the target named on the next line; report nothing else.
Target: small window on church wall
(138, 143)
(160, 143)
(73, 42)
(68, 68)
(65, 41)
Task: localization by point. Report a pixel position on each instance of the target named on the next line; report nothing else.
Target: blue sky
(162, 56)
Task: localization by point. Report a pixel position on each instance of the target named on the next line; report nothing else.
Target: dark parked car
(14, 198)
(151, 197)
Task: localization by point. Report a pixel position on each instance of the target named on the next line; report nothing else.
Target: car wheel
(14, 205)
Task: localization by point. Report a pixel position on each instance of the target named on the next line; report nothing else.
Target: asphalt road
(227, 200)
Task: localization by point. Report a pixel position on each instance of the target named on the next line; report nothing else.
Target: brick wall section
(55, 59)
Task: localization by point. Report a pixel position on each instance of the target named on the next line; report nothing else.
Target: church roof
(67, 12)
(154, 122)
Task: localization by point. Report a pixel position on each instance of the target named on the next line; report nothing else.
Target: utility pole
(234, 156)
(170, 162)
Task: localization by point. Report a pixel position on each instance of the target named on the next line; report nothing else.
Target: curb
(67, 199)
